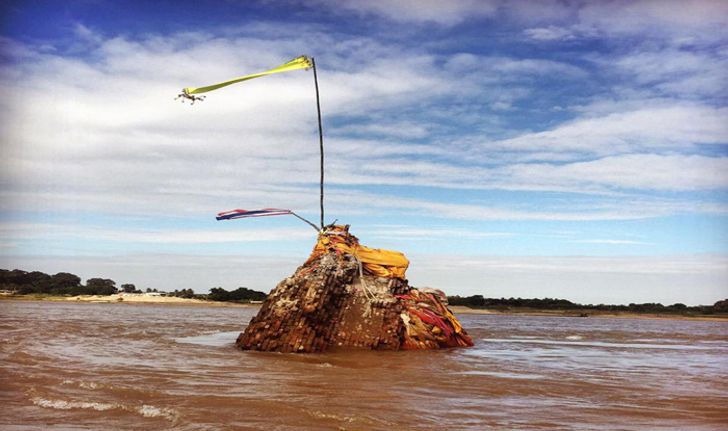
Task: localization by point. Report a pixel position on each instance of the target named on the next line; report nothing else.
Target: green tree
(218, 294)
(64, 282)
(40, 281)
(100, 286)
(128, 288)
(721, 306)
(241, 294)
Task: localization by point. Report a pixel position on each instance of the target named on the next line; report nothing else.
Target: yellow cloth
(382, 263)
(302, 62)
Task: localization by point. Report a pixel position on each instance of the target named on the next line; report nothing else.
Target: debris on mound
(349, 295)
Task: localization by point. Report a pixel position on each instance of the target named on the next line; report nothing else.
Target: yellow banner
(302, 62)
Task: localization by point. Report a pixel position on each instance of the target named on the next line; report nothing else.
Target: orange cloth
(382, 263)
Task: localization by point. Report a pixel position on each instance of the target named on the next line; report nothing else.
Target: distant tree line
(241, 294)
(478, 301)
(184, 293)
(64, 283)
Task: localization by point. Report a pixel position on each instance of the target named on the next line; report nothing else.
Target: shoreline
(142, 299)
(461, 309)
(126, 299)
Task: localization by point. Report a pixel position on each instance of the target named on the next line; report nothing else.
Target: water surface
(68, 366)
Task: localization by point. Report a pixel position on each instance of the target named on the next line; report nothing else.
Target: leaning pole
(302, 62)
(321, 138)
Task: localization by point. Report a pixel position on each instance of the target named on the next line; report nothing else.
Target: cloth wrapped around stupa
(348, 295)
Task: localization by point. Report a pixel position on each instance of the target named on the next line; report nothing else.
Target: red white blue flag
(233, 214)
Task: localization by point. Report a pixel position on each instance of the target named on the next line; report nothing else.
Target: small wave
(83, 384)
(574, 337)
(365, 420)
(520, 376)
(89, 385)
(153, 412)
(322, 415)
(68, 405)
(145, 410)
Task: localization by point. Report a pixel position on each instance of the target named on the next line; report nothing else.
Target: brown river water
(69, 366)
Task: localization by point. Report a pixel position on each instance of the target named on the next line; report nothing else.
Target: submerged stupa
(347, 295)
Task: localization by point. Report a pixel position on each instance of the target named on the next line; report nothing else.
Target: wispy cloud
(431, 233)
(420, 11)
(669, 20)
(612, 242)
(35, 231)
(550, 33)
(656, 128)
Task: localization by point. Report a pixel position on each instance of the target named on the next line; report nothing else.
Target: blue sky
(545, 148)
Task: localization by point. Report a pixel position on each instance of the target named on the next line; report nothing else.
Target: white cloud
(550, 33)
(675, 21)
(600, 175)
(679, 17)
(638, 171)
(103, 134)
(676, 72)
(660, 127)
(440, 12)
(499, 70)
(430, 233)
(219, 235)
(404, 130)
(612, 242)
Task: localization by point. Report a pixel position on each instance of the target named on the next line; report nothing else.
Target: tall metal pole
(321, 138)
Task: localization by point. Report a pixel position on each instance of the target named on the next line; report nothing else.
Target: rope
(369, 294)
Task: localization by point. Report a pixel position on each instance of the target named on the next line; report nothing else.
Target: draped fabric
(375, 261)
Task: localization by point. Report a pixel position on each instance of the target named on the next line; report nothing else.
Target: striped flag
(234, 214)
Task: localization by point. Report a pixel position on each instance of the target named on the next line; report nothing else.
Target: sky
(564, 149)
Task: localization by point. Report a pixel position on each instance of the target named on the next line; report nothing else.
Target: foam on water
(89, 385)
(152, 412)
(68, 405)
(145, 410)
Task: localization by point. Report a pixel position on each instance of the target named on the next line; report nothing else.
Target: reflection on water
(123, 366)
